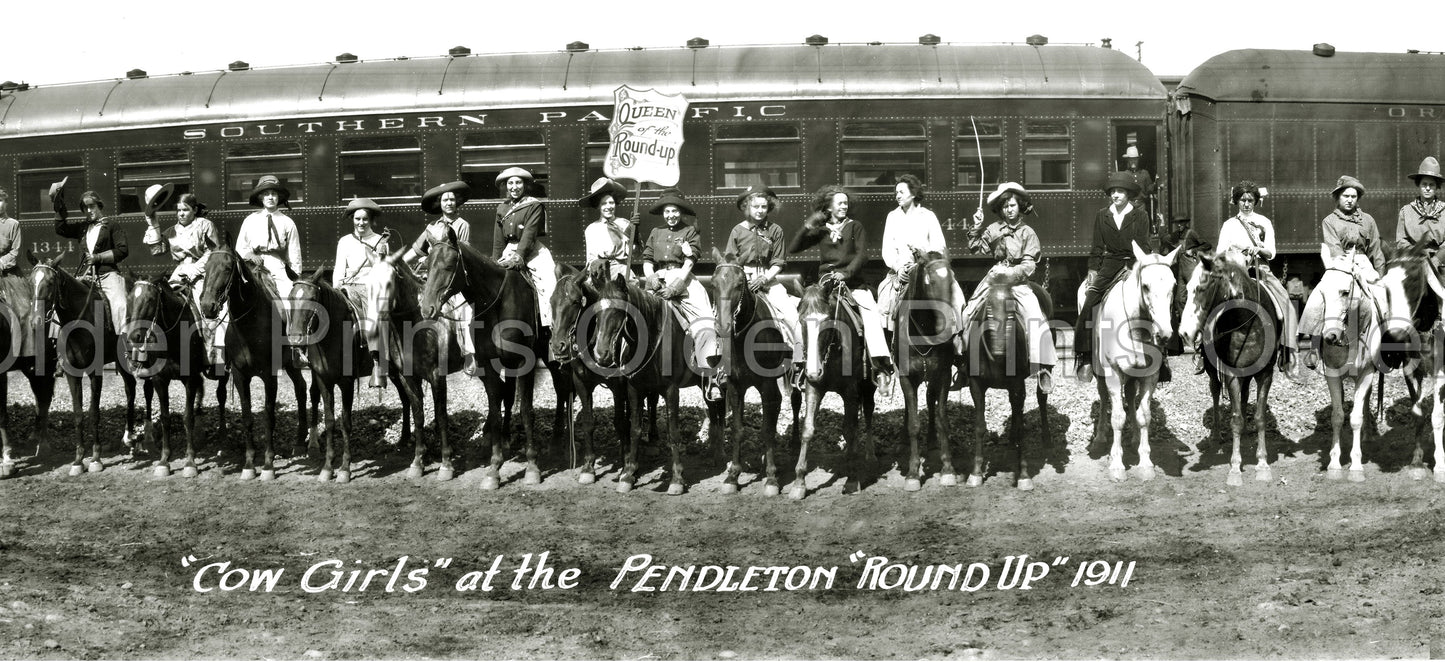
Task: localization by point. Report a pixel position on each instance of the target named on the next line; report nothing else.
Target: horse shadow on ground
(1215, 447)
(1167, 452)
(1391, 448)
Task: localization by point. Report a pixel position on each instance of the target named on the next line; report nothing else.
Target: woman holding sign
(608, 237)
(517, 240)
(667, 262)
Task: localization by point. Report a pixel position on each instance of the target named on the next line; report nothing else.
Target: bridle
(738, 307)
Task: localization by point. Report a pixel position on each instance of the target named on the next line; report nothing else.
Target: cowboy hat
(363, 203)
(431, 201)
(1345, 182)
(673, 197)
(57, 187)
(1124, 181)
(766, 192)
(270, 183)
(1131, 153)
(603, 186)
(157, 195)
(995, 203)
(511, 172)
(1428, 168)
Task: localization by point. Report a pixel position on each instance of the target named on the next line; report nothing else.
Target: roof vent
(816, 40)
(1037, 40)
(345, 58)
(1324, 50)
(135, 73)
(459, 51)
(577, 46)
(239, 65)
(698, 42)
(929, 40)
(1106, 42)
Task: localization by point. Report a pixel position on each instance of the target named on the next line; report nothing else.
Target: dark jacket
(843, 256)
(522, 222)
(1113, 245)
(110, 245)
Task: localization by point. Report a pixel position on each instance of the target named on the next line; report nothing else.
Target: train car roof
(1302, 76)
(713, 74)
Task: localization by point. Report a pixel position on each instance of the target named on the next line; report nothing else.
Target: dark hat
(511, 172)
(763, 191)
(157, 196)
(1124, 181)
(1428, 168)
(431, 201)
(270, 183)
(672, 196)
(1345, 182)
(363, 203)
(603, 186)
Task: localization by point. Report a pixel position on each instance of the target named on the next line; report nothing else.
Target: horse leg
(298, 382)
(43, 385)
(1357, 421)
(1337, 419)
(443, 421)
(221, 405)
(248, 422)
(1238, 401)
(195, 387)
(674, 441)
(735, 436)
(1262, 471)
(268, 426)
(561, 381)
(772, 408)
(1216, 387)
(313, 438)
(163, 397)
(7, 463)
(149, 391)
(586, 428)
(93, 415)
(128, 438)
(628, 475)
(78, 466)
(1437, 424)
(1044, 432)
(525, 385)
(348, 396)
(980, 431)
(809, 425)
(1017, 395)
(493, 432)
(1143, 415)
(327, 425)
(938, 429)
(911, 480)
(411, 390)
(1117, 420)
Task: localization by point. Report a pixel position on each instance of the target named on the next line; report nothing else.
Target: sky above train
(83, 40)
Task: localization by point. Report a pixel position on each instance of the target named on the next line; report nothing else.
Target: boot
(1198, 360)
(470, 366)
(1045, 375)
(218, 361)
(1083, 365)
(712, 381)
(1308, 353)
(960, 373)
(882, 371)
(1289, 364)
(1165, 374)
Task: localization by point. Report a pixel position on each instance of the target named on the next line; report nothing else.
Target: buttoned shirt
(1252, 231)
(276, 237)
(192, 242)
(436, 231)
(607, 241)
(1019, 245)
(757, 246)
(1358, 229)
(664, 245)
(355, 256)
(1420, 223)
(10, 244)
(917, 227)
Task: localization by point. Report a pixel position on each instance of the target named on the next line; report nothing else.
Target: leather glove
(757, 283)
(652, 283)
(104, 257)
(672, 291)
(85, 262)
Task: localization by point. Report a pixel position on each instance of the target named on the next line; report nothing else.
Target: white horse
(1353, 300)
(1412, 342)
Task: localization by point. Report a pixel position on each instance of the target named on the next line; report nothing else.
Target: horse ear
(451, 235)
(621, 280)
(561, 270)
(30, 255)
(717, 255)
(1172, 255)
(1139, 253)
(1206, 260)
(52, 262)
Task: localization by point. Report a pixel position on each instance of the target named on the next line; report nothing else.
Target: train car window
(758, 155)
(138, 169)
(36, 175)
(990, 141)
(486, 155)
(383, 168)
(598, 140)
(1047, 160)
(877, 153)
(248, 162)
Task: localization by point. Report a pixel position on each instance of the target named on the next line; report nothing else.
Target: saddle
(15, 291)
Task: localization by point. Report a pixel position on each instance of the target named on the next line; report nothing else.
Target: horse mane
(814, 301)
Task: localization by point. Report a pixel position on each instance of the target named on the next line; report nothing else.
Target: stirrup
(712, 388)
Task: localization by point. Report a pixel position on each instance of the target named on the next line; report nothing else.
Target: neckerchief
(1430, 214)
(835, 229)
(524, 202)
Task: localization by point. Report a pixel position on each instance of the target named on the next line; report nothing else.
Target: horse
(17, 325)
(321, 319)
(1137, 313)
(1229, 312)
(1413, 342)
(926, 323)
(166, 346)
(640, 338)
(85, 345)
(752, 355)
(253, 342)
(412, 350)
(1349, 349)
(506, 331)
(997, 352)
(833, 338)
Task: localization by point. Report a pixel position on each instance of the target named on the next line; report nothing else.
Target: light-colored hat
(157, 195)
(673, 197)
(1025, 203)
(511, 172)
(58, 187)
(1428, 168)
(431, 201)
(363, 203)
(270, 183)
(603, 186)
(1132, 152)
(1345, 182)
(1004, 188)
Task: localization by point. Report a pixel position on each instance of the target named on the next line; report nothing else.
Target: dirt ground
(120, 564)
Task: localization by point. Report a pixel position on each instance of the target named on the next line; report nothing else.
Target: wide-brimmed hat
(431, 201)
(157, 195)
(1025, 204)
(511, 172)
(763, 191)
(270, 183)
(363, 203)
(1428, 168)
(1124, 181)
(1131, 153)
(58, 187)
(1345, 182)
(603, 186)
(672, 196)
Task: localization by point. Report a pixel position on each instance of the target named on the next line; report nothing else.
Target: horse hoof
(1026, 484)
(947, 480)
(96, 467)
(161, 471)
(7, 469)
(532, 477)
(189, 472)
(798, 493)
(324, 476)
(1235, 479)
(974, 481)
(1264, 475)
(1334, 474)
(413, 471)
(268, 475)
(729, 488)
(912, 485)
(675, 489)
(447, 473)
(1440, 476)
(1357, 475)
(490, 482)
(624, 486)
(248, 474)
(1418, 473)
(343, 477)
(852, 487)
(76, 469)
(1117, 474)
(771, 490)
(1146, 473)
(587, 478)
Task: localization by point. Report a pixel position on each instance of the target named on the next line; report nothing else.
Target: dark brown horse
(836, 360)
(321, 320)
(753, 355)
(166, 346)
(925, 324)
(640, 339)
(997, 352)
(17, 321)
(506, 332)
(87, 341)
(254, 349)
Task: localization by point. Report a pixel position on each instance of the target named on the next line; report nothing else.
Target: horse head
(610, 342)
(144, 314)
(444, 264)
(304, 315)
(814, 311)
(1154, 274)
(222, 267)
(927, 301)
(1413, 293)
(382, 285)
(568, 300)
(1344, 286)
